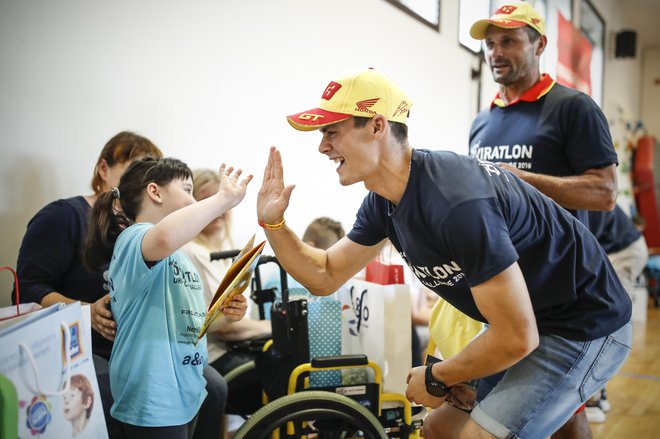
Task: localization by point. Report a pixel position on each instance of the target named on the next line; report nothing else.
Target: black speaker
(625, 44)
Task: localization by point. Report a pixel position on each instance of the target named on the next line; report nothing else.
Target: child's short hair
(80, 382)
(107, 220)
(323, 232)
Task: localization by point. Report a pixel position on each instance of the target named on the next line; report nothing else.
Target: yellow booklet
(235, 281)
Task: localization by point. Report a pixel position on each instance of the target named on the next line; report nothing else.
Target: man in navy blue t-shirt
(484, 240)
(553, 137)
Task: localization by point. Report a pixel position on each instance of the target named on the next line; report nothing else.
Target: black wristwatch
(433, 386)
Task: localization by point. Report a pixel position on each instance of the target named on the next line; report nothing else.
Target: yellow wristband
(272, 226)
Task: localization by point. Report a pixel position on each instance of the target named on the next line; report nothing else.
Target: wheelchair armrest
(339, 361)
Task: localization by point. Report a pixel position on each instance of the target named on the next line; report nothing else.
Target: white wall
(650, 111)
(207, 81)
(211, 81)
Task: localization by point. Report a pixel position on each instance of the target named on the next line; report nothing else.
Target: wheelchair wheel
(318, 414)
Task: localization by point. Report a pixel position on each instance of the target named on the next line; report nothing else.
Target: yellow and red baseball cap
(510, 16)
(363, 94)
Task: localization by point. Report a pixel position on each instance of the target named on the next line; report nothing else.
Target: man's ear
(542, 43)
(153, 191)
(379, 124)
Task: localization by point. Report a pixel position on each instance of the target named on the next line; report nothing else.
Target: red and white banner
(574, 57)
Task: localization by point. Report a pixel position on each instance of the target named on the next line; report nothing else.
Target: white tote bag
(58, 395)
(376, 321)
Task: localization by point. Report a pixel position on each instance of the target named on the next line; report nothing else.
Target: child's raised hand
(236, 308)
(232, 185)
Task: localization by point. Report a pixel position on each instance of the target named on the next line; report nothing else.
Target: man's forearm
(53, 298)
(583, 192)
(308, 265)
(488, 354)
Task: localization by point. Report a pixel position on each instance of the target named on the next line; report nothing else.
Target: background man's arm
(595, 189)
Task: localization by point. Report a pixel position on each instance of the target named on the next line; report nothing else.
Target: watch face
(436, 389)
(433, 387)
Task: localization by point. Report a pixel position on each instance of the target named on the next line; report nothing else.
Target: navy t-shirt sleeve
(476, 236)
(369, 227)
(48, 249)
(588, 143)
(477, 123)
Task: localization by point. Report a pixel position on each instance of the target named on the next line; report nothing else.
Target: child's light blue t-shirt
(155, 370)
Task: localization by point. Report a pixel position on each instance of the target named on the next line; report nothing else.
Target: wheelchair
(273, 391)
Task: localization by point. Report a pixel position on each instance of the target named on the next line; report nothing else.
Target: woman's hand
(273, 198)
(101, 316)
(236, 308)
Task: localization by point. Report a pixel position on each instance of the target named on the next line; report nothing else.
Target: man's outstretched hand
(273, 198)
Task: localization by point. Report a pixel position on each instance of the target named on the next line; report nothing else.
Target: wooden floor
(634, 392)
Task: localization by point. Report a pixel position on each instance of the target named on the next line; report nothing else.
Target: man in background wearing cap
(551, 136)
(488, 243)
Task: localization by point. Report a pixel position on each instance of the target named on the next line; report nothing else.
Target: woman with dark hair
(50, 258)
(157, 361)
(50, 265)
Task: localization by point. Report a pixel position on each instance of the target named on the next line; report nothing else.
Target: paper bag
(384, 274)
(48, 358)
(376, 321)
(20, 311)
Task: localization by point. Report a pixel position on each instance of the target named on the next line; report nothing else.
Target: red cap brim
(315, 118)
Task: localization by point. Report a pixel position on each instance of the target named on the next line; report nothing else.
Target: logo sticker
(402, 108)
(365, 105)
(75, 349)
(38, 415)
(310, 116)
(330, 90)
(359, 310)
(506, 10)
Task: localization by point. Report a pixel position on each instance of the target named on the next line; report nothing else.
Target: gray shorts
(537, 395)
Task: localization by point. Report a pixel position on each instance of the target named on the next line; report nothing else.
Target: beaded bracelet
(272, 226)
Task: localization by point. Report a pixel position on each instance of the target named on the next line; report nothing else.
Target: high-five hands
(273, 198)
(232, 186)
